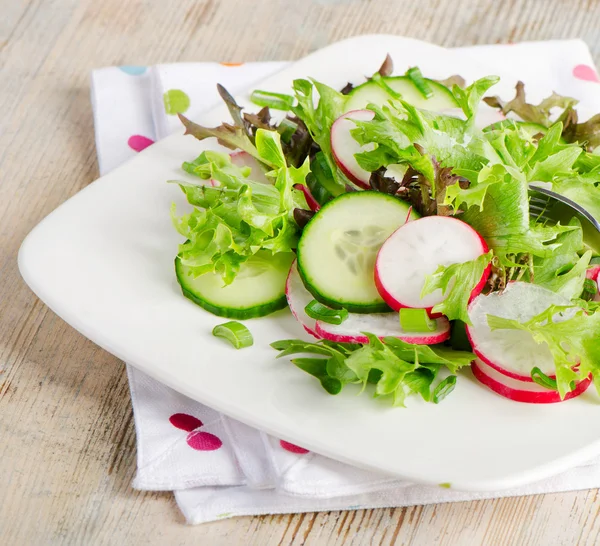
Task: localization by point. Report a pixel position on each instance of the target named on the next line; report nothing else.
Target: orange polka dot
(231, 64)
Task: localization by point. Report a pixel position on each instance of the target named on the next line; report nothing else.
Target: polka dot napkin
(218, 467)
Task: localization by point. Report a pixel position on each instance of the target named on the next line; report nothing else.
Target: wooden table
(67, 442)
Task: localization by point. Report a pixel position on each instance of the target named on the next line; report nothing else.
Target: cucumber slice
(338, 247)
(258, 289)
(371, 92)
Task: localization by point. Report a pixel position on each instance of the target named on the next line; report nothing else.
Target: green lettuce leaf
(397, 369)
(573, 339)
(496, 203)
(239, 217)
(584, 189)
(469, 98)
(563, 271)
(319, 120)
(436, 148)
(456, 282)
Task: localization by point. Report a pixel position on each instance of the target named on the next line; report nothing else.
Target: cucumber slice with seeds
(371, 92)
(258, 289)
(338, 247)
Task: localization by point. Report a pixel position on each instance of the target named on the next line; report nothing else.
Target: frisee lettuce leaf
(586, 134)
(396, 368)
(456, 282)
(435, 148)
(572, 335)
(563, 271)
(539, 113)
(319, 120)
(496, 203)
(470, 98)
(239, 217)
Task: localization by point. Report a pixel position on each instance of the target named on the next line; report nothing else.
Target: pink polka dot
(292, 448)
(203, 441)
(185, 422)
(139, 142)
(585, 72)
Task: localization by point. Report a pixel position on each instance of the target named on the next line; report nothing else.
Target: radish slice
(244, 159)
(513, 353)
(521, 391)
(312, 203)
(298, 298)
(344, 146)
(382, 325)
(415, 251)
(592, 272)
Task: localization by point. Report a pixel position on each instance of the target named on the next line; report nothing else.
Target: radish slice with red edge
(521, 391)
(344, 146)
(298, 297)
(381, 325)
(592, 272)
(244, 159)
(513, 353)
(312, 203)
(415, 251)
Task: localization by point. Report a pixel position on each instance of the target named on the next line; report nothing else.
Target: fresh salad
(395, 223)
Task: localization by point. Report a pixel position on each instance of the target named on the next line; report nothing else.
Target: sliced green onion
(416, 320)
(444, 389)
(286, 129)
(415, 76)
(596, 259)
(276, 101)
(234, 332)
(318, 311)
(542, 379)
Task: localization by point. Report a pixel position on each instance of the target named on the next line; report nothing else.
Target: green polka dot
(176, 102)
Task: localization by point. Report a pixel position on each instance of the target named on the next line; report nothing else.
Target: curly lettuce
(318, 120)
(456, 282)
(571, 334)
(397, 369)
(238, 216)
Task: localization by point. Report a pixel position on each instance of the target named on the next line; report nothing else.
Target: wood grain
(67, 444)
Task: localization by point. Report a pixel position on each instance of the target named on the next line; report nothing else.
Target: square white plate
(103, 261)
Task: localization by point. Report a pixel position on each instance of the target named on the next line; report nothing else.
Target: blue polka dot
(134, 70)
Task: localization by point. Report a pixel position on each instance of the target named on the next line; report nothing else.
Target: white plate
(103, 261)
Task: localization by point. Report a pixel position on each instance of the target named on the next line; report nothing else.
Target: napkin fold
(219, 467)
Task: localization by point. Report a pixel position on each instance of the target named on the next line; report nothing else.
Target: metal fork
(551, 207)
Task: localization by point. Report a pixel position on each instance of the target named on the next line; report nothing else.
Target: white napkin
(219, 467)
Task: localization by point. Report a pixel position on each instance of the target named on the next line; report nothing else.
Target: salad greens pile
(235, 219)
(448, 166)
(397, 369)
